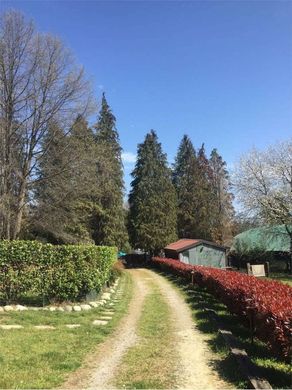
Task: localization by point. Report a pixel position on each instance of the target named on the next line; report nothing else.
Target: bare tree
(39, 82)
(263, 181)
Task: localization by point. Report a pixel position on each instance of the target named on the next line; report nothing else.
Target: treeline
(61, 179)
(190, 200)
(78, 194)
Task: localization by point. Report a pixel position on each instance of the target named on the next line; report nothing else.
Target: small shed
(197, 252)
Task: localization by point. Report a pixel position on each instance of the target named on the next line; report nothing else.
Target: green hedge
(64, 272)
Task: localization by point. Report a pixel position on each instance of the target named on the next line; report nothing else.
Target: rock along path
(194, 359)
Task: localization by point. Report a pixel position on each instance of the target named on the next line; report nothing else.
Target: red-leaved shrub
(268, 302)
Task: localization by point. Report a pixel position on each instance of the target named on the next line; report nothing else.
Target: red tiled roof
(187, 243)
(182, 244)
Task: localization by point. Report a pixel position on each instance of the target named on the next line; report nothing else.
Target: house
(197, 252)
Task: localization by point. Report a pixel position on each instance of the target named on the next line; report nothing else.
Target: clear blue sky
(219, 71)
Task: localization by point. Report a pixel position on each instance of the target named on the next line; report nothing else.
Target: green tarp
(267, 239)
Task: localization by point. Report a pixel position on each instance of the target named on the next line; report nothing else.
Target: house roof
(187, 243)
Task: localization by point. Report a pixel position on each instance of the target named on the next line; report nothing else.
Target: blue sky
(220, 71)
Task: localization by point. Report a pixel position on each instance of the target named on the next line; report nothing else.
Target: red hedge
(269, 302)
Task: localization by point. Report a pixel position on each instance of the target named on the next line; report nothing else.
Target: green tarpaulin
(267, 239)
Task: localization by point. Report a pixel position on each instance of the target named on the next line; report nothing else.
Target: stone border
(81, 306)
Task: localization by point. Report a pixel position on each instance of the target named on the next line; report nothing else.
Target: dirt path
(99, 368)
(194, 358)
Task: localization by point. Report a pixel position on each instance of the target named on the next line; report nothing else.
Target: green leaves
(57, 273)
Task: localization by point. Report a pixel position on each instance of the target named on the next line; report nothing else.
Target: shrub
(268, 302)
(64, 272)
(116, 270)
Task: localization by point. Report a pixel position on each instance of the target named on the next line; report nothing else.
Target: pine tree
(108, 223)
(223, 211)
(152, 200)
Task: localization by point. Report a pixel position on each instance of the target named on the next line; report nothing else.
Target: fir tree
(109, 222)
(152, 200)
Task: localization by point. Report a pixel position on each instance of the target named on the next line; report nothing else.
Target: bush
(268, 302)
(116, 270)
(64, 272)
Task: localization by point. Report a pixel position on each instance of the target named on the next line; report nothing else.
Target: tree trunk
(20, 207)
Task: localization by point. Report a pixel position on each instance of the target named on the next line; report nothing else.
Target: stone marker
(8, 308)
(21, 308)
(77, 308)
(93, 304)
(85, 307)
(11, 326)
(99, 322)
(72, 326)
(44, 327)
(106, 296)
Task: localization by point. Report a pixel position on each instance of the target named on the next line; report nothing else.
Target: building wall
(204, 255)
(171, 254)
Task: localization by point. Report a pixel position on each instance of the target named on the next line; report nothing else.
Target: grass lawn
(31, 358)
(150, 364)
(276, 371)
(282, 277)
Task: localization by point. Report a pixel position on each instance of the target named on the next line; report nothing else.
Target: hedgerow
(268, 303)
(64, 272)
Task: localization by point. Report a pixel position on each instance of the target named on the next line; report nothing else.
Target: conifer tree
(66, 186)
(223, 211)
(52, 190)
(85, 193)
(185, 176)
(108, 223)
(205, 195)
(152, 200)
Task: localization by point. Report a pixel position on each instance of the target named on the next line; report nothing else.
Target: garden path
(195, 362)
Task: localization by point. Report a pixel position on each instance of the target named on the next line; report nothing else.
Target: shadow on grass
(27, 300)
(275, 370)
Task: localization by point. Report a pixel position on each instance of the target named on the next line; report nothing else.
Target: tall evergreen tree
(52, 190)
(185, 176)
(152, 200)
(223, 211)
(108, 224)
(205, 194)
(85, 193)
(192, 180)
(66, 186)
